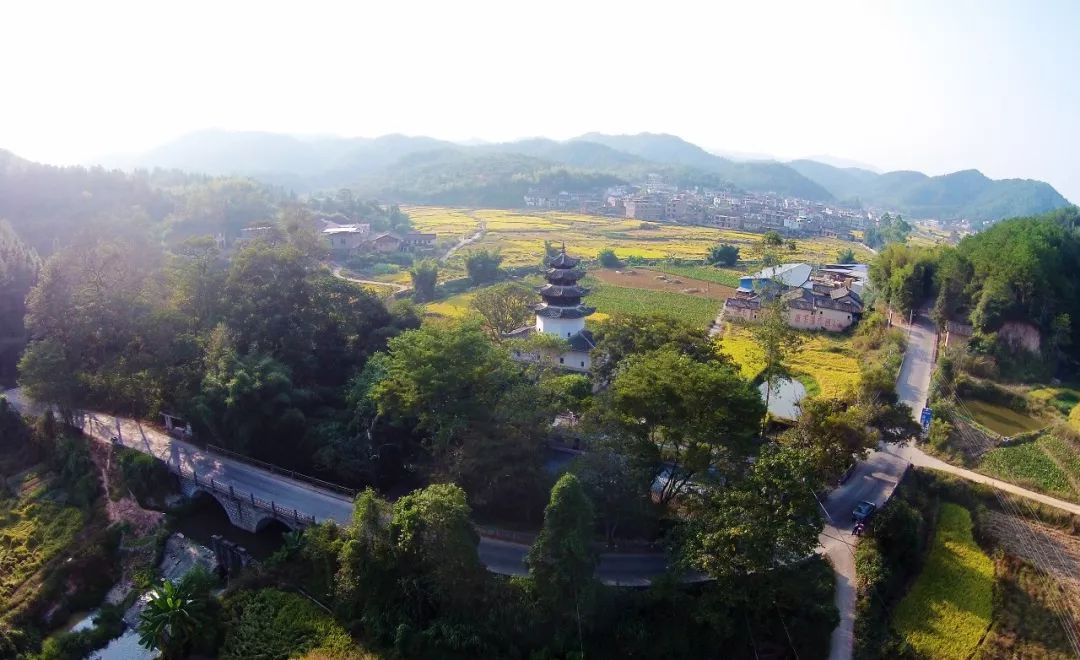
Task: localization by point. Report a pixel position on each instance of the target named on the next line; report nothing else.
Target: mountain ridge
(310, 163)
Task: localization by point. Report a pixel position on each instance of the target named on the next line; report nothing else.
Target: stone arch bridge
(244, 509)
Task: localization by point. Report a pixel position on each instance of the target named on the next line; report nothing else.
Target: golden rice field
(829, 360)
(520, 236)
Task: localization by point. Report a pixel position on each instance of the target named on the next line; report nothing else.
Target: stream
(186, 548)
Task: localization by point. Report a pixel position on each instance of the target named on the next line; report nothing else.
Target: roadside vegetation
(951, 569)
(56, 555)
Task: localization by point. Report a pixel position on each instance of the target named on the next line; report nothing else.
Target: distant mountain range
(427, 170)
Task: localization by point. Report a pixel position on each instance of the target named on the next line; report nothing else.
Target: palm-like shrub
(172, 618)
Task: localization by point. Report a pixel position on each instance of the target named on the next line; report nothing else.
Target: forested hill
(491, 174)
(421, 169)
(965, 194)
(52, 207)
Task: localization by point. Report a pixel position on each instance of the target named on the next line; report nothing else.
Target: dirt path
(339, 272)
(468, 240)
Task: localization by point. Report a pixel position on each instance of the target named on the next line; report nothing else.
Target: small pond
(785, 398)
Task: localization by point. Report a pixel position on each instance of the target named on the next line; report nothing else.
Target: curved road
(500, 556)
(873, 479)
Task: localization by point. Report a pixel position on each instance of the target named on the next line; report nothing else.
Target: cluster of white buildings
(656, 201)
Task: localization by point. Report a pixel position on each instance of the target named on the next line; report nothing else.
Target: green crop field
(726, 276)
(609, 299)
(1027, 464)
(1064, 453)
(948, 608)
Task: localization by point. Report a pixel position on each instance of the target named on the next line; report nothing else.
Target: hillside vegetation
(424, 170)
(1018, 272)
(964, 194)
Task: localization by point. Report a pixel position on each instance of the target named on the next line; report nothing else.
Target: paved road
(874, 480)
(500, 556)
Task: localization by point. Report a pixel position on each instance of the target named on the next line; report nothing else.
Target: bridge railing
(276, 469)
(282, 513)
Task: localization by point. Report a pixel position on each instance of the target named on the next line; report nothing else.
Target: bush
(608, 258)
(142, 474)
(109, 623)
(270, 623)
(385, 269)
(723, 255)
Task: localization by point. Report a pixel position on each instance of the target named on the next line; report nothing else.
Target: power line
(1035, 553)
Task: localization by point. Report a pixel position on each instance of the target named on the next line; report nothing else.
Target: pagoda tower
(562, 312)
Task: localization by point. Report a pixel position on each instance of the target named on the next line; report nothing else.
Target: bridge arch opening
(272, 531)
(205, 516)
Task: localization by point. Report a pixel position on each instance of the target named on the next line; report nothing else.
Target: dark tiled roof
(558, 290)
(742, 303)
(520, 333)
(962, 329)
(552, 312)
(582, 341)
(563, 260)
(563, 275)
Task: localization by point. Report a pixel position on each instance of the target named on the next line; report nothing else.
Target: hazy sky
(935, 86)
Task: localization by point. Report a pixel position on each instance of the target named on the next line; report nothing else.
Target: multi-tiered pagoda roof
(562, 295)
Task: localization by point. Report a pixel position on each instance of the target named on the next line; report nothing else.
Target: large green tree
(561, 561)
(765, 520)
(776, 340)
(424, 274)
(504, 307)
(483, 265)
(478, 415)
(623, 335)
(688, 419)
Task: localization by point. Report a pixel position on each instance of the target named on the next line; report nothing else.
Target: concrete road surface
(874, 481)
(500, 556)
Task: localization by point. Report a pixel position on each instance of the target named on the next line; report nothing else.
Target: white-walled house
(815, 308)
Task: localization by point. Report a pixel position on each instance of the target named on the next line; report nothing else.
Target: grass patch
(1062, 399)
(1028, 465)
(828, 363)
(1001, 420)
(813, 388)
(949, 607)
(33, 530)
